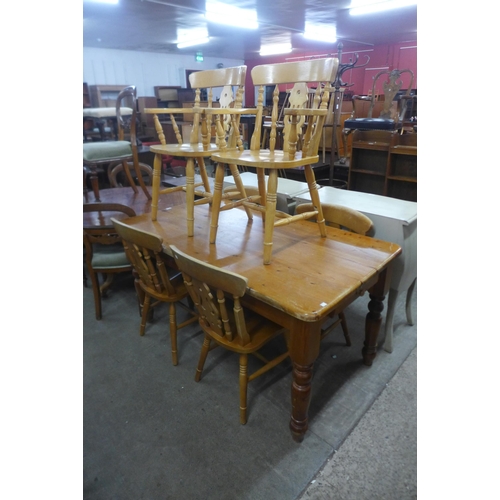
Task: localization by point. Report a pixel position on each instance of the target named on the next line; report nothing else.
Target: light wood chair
(104, 252)
(350, 220)
(318, 72)
(199, 146)
(124, 151)
(217, 294)
(157, 279)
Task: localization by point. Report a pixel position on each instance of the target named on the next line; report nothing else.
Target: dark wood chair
(380, 111)
(118, 177)
(104, 252)
(300, 148)
(157, 280)
(350, 220)
(217, 294)
(97, 154)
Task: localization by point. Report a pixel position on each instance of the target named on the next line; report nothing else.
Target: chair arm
(168, 111)
(226, 111)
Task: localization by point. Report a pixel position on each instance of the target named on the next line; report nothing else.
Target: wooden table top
(124, 195)
(309, 276)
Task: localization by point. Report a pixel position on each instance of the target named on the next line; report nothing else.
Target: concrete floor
(151, 432)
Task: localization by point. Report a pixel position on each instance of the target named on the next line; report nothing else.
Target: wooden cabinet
(384, 163)
(402, 167)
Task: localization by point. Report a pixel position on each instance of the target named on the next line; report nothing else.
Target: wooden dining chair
(316, 72)
(104, 254)
(157, 280)
(342, 218)
(199, 146)
(217, 294)
(125, 151)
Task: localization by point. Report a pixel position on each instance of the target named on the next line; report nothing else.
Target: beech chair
(350, 220)
(199, 145)
(104, 252)
(217, 294)
(157, 280)
(376, 111)
(102, 153)
(319, 72)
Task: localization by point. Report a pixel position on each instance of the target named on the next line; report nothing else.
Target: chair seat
(193, 150)
(371, 124)
(109, 257)
(263, 158)
(98, 151)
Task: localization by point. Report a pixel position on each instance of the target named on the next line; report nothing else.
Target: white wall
(142, 69)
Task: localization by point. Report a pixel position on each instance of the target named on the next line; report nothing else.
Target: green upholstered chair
(125, 151)
(104, 253)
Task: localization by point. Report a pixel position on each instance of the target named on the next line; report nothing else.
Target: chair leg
(190, 196)
(94, 181)
(203, 172)
(173, 333)
(243, 388)
(203, 356)
(107, 283)
(156, 186)
(313, 189)
(138, 172)
(216, 201)
(343, 323)
(272, 187)
(94, 278)
(126, 170)
(240, 187)
(145, 312)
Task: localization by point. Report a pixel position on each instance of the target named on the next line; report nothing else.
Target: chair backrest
(216, 294)
(127, 97)
(317, 74)
(382, 107)
(209, 80)
(341, 217)
(98, 230)
(145, 252)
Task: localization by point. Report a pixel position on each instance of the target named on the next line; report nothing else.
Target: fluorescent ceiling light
(222, 13)
(359, 7)
(191, 43)
(275, 48)
(114, 2)
(320, 32)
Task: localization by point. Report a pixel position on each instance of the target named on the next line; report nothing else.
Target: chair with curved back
(350, 220)
(104, 252)
(199, 145)
(117, 175)
(125, 151)
(373, 113)
(217, 295)
(157, 279)
(316, 72)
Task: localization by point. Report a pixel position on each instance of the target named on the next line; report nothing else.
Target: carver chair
(157, 280)
(199, 145)
(104, 252)
(350, 220)
(380, 111)
(217, 294)
(319, 72)
(103, 153)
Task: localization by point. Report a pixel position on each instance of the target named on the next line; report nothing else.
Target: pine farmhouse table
(309, 277)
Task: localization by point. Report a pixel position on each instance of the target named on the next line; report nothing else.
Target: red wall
(400, 56)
